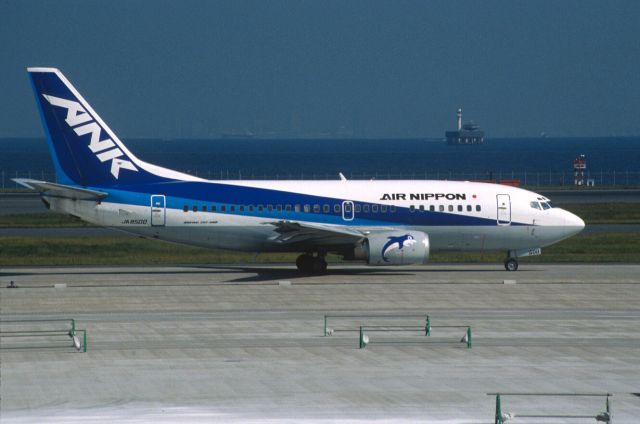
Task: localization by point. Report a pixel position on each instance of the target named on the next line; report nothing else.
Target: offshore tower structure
(469, 133)
(579, 167)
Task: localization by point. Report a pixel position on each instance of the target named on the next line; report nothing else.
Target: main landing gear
(511, 264)
(310, 264)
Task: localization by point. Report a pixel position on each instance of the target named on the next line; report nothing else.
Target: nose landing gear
(511, 264)
(309, 264)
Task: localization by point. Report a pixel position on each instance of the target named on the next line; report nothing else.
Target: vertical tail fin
(84, 149)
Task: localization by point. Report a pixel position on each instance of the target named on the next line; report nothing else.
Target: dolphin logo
(397, 243)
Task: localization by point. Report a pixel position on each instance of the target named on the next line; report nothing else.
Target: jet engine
(396, 248)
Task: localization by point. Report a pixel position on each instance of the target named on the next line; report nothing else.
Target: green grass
(116, 250)
(617, 247)
(41, 220)
(601, 247)
(605, 213)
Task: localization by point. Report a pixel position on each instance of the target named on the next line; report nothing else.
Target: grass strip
(14, 251)
(41, 220)
(605, 213)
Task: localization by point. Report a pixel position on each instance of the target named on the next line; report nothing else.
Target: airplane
(394, 222)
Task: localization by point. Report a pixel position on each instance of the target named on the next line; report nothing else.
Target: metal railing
(605, 416)
(538, 178)
(26, 334)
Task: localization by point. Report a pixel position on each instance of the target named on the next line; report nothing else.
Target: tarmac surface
(246, 344)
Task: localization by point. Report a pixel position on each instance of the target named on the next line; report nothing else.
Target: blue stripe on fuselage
(190, 193)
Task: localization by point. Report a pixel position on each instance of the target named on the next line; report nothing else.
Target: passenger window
(260, 208)
(412, 208)
(357, 208)
(223, 208)
(459, 208)
(392, 209)
(432, 208)
(535, 205)
(441, 208)
(469, 208)
(450, 208)
(213, 208)
(232, 208)
(241, 208)
(383, 208)
(478, 208)
(195, 208)
(269, 208)
(374, 208)
(287, 208)
(185, 208)
(316, 208)
(326, 209)
(279, 208)
(365, 208)
(336, 208)
(204, 208)
(296, 208)
(250, 208)
(307, 208)
(421, 208)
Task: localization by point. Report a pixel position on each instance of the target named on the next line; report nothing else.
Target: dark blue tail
(84, 149)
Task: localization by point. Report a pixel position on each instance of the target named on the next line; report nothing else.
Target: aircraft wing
(292, 232)
(60, 190)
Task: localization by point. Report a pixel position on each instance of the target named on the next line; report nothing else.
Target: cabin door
(347, 210)
(504, 209)
(158, 210)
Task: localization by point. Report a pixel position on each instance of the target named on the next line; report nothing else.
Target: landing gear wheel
(319, 265)
(304, 263)
(511, 264)
(311, 264)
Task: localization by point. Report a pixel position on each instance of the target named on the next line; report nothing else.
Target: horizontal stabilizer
(60, 190)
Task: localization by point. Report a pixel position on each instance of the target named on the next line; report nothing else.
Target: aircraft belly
(480, 238)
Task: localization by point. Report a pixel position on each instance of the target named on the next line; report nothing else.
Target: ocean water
(534, 161)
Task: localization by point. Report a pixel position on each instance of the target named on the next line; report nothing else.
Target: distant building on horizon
(469, 133)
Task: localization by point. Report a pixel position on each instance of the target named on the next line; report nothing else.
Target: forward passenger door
(503, 203)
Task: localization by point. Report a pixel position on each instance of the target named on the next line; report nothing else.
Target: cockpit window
(545, 205)
(535, 205)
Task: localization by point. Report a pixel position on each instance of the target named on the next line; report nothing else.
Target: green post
(325, 325)
(362, 345)
(73, 328)
(609, 411)
(498, 410)
(468, 337)
(84, 343)
(427, 331)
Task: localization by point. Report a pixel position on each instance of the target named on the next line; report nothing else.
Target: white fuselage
(456, 215)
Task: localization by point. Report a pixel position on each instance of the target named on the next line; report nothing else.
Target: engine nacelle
(397, 248)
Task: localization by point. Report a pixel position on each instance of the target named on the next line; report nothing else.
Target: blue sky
(301, 67)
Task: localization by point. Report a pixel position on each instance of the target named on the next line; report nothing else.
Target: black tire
(511, 264)
(304, 263)
(319, 266)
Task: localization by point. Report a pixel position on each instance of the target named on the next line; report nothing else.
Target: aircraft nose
(573, 223)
